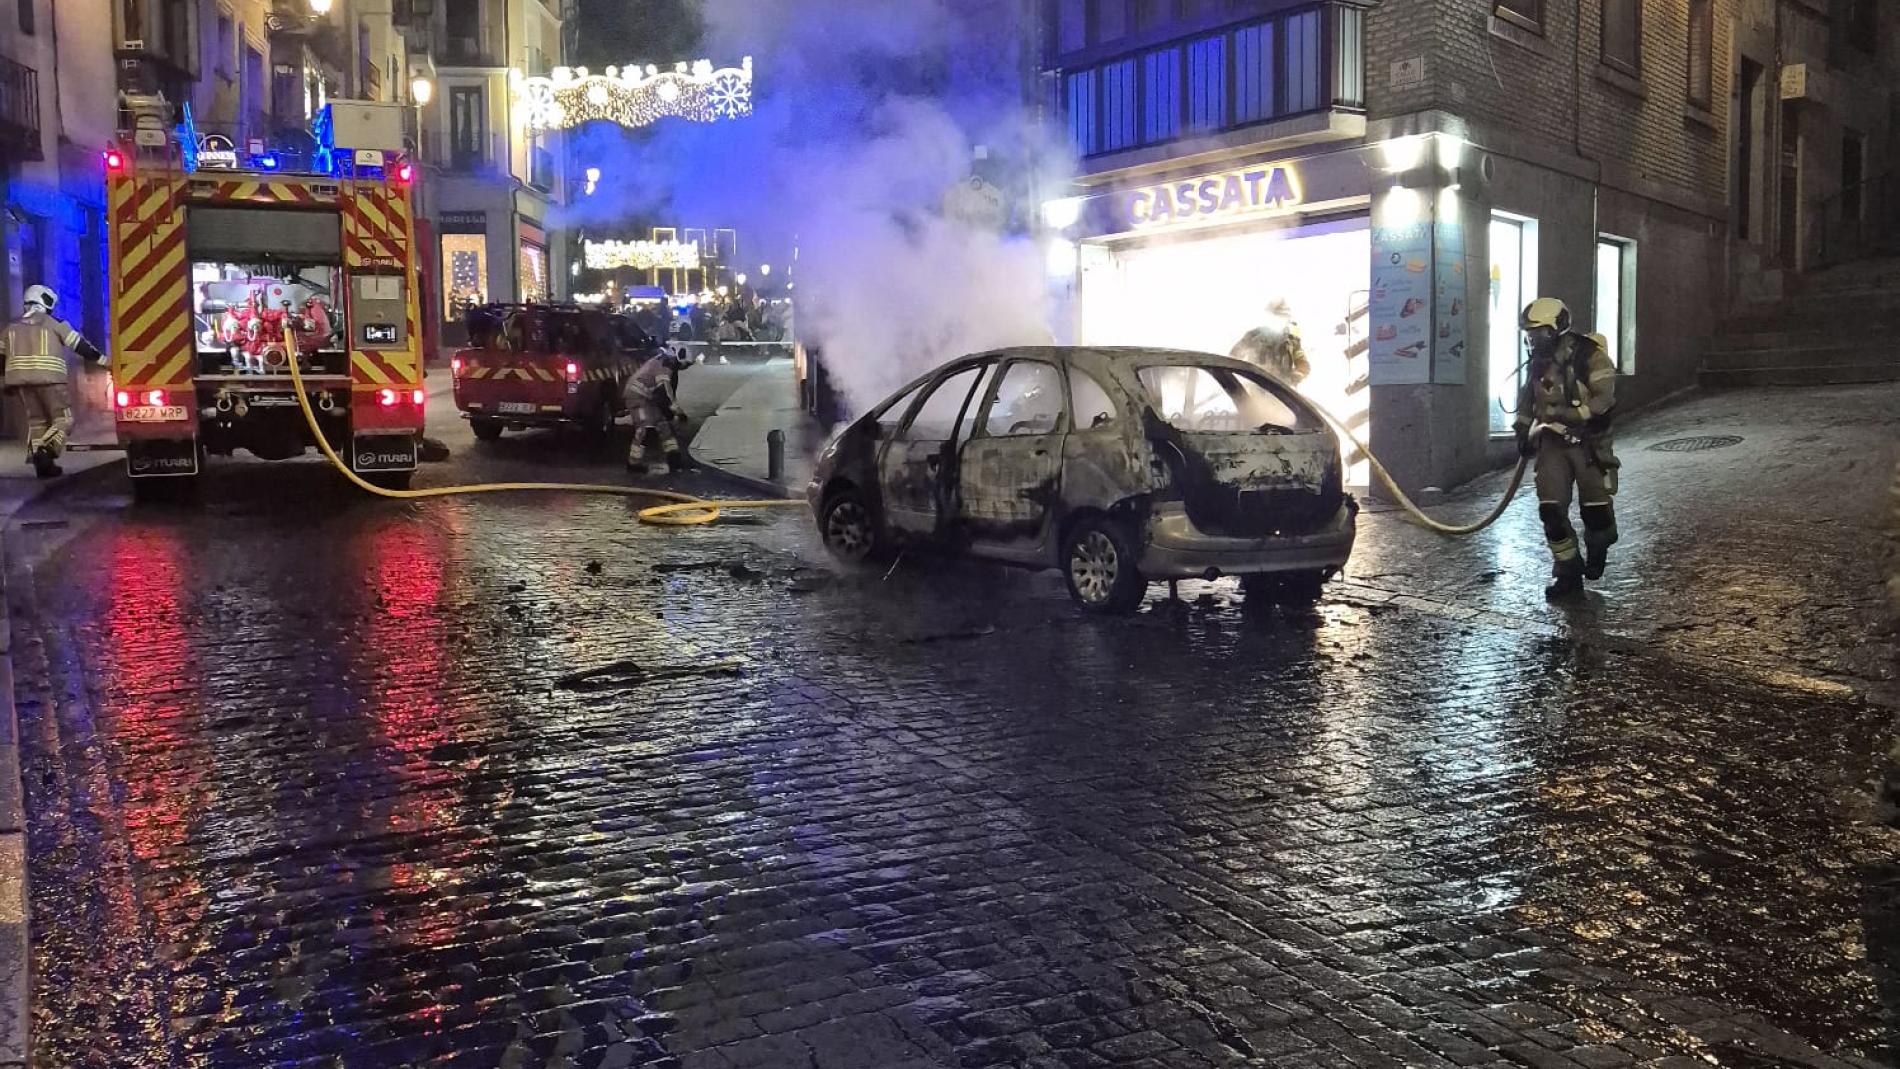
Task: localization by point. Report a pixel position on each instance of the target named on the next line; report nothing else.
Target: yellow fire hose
(1417, 514)
(683, 510)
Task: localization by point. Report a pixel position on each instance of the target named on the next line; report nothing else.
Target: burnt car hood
(1250, 484)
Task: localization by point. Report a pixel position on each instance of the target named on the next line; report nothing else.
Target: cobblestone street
(316, 780)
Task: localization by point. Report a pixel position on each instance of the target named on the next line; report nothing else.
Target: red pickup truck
(541, 365)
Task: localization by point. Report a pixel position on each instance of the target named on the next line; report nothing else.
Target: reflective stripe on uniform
(34, 345)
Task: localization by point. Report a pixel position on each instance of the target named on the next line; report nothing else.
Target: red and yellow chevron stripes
(262, 192)
(151, 285)
(536, 373)
(375, 226)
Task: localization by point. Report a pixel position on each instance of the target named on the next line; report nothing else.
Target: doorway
(1790, 193)
(1748, 125)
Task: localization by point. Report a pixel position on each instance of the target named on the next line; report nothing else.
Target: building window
(468, 128)
(1623, 35)
(227, 44)
(1161, 95)
(1081, 93)
(465, 262)
(1528, 14)
(1118, 105)
(26, 16)
(1293, 64)
(1863, 23)
(1256, 75)
(1853, 174)
(1616, 300)
(1701, 52)
(534, 272)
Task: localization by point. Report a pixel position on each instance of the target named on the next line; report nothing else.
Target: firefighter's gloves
(1524, 446)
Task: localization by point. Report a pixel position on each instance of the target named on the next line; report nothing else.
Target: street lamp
(740, 279)
(320, 7)
(765, 270)
(421, 90)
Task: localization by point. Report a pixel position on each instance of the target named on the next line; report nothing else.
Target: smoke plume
(868, 113)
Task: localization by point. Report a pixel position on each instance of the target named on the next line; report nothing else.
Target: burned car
(1117, 466)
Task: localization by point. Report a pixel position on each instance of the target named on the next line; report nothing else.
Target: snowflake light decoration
(642, 255)
(634, 96)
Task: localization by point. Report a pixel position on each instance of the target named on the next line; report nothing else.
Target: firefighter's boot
(1566, 564)
(1567, 583)
(1599, 534)
(45, 465)
(675, 460)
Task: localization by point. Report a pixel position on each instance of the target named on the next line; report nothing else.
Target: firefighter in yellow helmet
(33, 350)
(1564, 414)
(1275, 345)
(653, 397)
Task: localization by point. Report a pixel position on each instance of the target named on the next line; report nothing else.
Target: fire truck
(226, 266)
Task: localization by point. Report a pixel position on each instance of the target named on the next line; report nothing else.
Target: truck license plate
(152, 413)
(515, 408)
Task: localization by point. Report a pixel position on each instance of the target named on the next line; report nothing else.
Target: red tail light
(419, 397)
(573, 371)
(156, 398)
(123, 398)
(115, 160)
(405, 173)
(386, 398)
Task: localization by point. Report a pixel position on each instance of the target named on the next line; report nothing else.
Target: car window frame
(1117, 414)
(1307, 418)
(1064, 420)
(910, 419)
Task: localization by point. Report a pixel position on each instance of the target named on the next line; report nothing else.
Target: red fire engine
(217, 272)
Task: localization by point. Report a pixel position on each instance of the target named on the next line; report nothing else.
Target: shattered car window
(1029, 401)
(937, 416)
(1201, 400)
(1093, 407)
(967, 426)
(893, 414)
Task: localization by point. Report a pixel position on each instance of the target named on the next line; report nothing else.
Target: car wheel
(848, 527)
(1099, 560)
(485, 429)
(600, 422)
(1284, 588)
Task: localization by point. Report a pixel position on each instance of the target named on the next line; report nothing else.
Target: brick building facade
(1450, 160)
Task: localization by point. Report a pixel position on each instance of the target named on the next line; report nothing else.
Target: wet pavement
(315, 780)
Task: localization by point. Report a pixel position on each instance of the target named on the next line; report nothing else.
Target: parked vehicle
(1117, 466)
(542, 365)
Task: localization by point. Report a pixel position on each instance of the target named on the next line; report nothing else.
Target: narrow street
(319, 780)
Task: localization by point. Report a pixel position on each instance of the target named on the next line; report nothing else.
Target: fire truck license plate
(152, 413)
(515, 408)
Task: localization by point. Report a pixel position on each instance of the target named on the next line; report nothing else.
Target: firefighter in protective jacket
(1275, 345)
(652, 398)
(33, 348)
(1564, 417)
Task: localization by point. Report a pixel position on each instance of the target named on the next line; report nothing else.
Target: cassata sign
(1235, 193)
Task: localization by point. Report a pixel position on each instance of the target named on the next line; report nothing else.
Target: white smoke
(868, 114)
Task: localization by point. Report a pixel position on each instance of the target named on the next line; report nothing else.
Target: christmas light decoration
(633, 96)
(642, 255)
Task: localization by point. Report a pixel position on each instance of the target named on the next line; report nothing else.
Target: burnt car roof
(1118, 355)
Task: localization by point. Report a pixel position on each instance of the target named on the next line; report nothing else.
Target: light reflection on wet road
(320, 781)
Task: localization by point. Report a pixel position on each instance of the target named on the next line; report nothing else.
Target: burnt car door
(914, 468)
(1009, 470)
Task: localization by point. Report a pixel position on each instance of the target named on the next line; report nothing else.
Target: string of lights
(642, 255)
(634, 96)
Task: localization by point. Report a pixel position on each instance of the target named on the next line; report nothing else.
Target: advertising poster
(1401, 304)
(1448, 344)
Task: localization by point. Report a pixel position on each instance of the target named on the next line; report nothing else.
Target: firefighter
(1564, 417)
(33, 350)
(652, 397)
(1275, 345)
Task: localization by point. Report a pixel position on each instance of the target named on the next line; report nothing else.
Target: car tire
(1296, 589)
(486, 430)
(1099, 560)
(849, 527)
(600, 421)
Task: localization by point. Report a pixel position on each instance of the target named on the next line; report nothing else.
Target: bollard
(775, 456)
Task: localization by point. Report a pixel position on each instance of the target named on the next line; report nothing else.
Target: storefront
(1199, 262)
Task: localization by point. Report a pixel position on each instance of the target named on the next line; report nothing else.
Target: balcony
(1240, 84)
(20, 111)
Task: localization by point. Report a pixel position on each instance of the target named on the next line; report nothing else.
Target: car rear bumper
(1177, 550)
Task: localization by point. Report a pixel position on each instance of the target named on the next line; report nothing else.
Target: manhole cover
(1696, 445)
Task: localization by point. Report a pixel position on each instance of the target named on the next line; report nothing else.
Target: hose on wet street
(1412, 510)
(679, 510)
